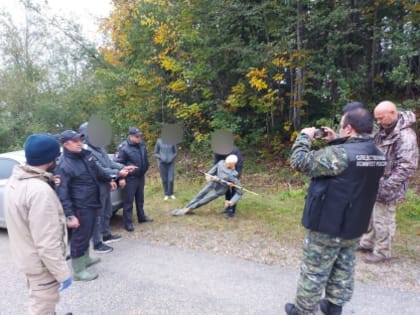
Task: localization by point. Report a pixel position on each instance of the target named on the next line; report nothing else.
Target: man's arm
(329, 161)
(406, 161)
(63, 191)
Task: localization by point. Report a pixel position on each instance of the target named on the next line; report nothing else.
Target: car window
(6, 167)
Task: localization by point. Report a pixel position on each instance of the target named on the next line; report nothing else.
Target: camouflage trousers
(381, 230)
(328, 264)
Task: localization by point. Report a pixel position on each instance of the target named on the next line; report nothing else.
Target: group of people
(356, 183)
(351, 177)
(63, 194)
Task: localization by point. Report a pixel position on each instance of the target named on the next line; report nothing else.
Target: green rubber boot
(79, 270)
(90, 261)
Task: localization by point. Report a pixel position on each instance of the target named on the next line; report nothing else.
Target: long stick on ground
(231, 184)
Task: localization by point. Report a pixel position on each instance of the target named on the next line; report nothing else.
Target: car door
(6, 168)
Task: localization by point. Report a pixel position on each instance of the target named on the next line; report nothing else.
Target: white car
(10, 159)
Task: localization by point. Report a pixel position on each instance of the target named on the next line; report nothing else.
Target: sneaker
(102, 248)
(173, 197)
(111, 238)
(166, 198)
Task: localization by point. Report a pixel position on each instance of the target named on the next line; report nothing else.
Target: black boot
(230, 212)
(329, 308)
(291, 309)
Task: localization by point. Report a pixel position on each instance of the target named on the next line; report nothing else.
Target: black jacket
(79, 181)
(129, 153)
(341, 205)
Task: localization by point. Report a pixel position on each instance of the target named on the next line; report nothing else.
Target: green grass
(275, 212)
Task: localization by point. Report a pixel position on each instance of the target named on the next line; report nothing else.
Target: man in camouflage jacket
(398, 141)
(344, 182)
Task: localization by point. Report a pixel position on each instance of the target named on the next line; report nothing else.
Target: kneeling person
(221, 177)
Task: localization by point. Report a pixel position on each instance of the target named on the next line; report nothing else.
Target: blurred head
(356, 121)
(230, 161)
(386, 114)
(72, 141)
(134, 135)
(41, 149)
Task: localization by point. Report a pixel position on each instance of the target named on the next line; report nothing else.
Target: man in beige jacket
(37, 226)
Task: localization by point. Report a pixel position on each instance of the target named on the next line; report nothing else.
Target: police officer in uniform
(133, 152)
(339, 202)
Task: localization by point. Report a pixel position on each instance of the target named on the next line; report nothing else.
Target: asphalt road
(140, 278)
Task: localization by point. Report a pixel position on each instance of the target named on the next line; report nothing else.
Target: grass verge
(275, 213)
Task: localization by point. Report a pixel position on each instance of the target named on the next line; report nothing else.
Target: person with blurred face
(79, 194)
(398, 141)
(102, 235)
(133, 152)
(37, 226)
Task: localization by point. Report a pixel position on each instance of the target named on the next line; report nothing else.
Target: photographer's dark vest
(341, 205)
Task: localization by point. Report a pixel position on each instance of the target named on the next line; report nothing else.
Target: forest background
(261, 69)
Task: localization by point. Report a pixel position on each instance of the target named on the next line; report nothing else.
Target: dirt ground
(239, 238)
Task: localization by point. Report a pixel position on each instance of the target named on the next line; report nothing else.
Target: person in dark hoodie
(102, 235)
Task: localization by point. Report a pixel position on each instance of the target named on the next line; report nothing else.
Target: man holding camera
(344, 182)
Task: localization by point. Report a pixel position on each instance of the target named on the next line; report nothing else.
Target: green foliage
(262, 69)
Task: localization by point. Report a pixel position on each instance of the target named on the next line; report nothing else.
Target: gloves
(65, 284)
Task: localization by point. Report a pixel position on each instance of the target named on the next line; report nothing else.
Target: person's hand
(72, 222)
(122, 183)
(208, 178)
(130, 168)
(123, 172)
(331, 134)
(113, 185)
(309, 131)
(228, 203)
(65, 284)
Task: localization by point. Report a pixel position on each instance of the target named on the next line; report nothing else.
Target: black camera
(320, 133)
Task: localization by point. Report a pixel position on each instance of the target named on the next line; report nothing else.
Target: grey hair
(232, 158)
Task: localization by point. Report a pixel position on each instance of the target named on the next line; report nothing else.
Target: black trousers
(80, 237)
(229, 194)
(133, 192)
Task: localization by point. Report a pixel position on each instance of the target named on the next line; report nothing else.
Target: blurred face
(73, 145)
(385, 117)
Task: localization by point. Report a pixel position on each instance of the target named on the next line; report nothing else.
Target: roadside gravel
(240, 238)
